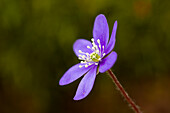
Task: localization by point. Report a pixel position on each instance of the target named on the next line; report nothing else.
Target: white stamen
(98, 41)
(97, 51)
(99, 46)
(87, 54)
(104, 54)
(80, 51)
(90, 64)
(80, 66)
(88, 47)
(86, 65)
(94, 57)
(82, 62)
(103, 48)
(96, 63)
(92, 39)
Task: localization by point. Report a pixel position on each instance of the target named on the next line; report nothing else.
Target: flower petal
(81, 44)
(73, 74)
(112, 40)
(101, 30)
(86, 84)
(107, 62)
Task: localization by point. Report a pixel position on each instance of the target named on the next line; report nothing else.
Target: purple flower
(95, 56)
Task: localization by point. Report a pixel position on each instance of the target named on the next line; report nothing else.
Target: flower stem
(124, 93)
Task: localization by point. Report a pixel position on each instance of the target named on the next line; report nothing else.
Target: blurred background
(36, 39)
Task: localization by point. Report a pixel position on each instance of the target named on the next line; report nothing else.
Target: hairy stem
(124, 93)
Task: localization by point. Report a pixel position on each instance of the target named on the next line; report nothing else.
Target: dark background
(36, 39)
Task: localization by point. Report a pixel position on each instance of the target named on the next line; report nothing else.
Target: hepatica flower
(94, 56)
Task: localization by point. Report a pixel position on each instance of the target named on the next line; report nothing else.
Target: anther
(103, 47)
(98, 40)
(97, 51)
(90, 64)
(80, 51)
(87, 54)
(83, 62)
(88, 47)
(83, 56)
(92, 39)
(80, 66)
(86, 65)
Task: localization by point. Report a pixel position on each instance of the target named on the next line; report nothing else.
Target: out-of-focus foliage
(36, 38)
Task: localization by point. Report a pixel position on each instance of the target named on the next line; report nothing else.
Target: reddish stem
(123, 92)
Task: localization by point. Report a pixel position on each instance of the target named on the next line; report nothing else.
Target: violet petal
(107, 62)
(81, 44)
(86, 84)
(112, 40)
(73, 74)
(101, 30)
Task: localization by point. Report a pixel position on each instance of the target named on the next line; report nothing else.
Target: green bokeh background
(36, 39)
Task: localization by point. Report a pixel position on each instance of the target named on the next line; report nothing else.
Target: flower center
(94, 57)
